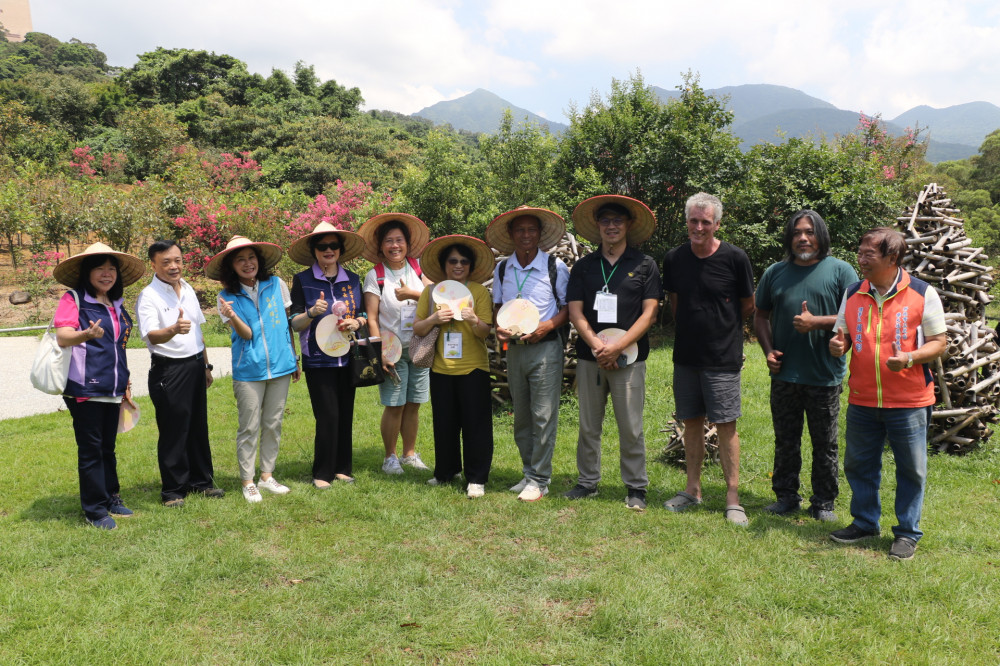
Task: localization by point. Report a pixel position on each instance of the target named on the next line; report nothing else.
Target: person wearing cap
(254, 303)
(797, 301)
(327, 289)
(615, 286)
(92, 319)
(170, 320)
(392, 288)
(709, 285)
(535, 360)
(460, 375)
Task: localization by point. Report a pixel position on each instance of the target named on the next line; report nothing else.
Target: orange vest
(873, 328)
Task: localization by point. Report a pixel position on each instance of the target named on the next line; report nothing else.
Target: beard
(806, 256)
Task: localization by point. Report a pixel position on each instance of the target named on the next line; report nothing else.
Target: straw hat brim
(553, 228)
(643, 221)
(419, 234)
(130, 268)
(354, 245)
(430, 258)
(270, 251)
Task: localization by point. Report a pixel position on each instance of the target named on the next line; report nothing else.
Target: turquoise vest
(268, 353)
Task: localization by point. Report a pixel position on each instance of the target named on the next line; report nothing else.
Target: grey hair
(704, 200)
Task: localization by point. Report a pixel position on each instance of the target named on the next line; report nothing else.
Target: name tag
(606, 306)
(407, 313)
(453, 345)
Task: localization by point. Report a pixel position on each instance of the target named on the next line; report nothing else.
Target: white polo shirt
(158, 307)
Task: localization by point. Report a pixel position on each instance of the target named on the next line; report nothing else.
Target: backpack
(562, 330)
(380, 272)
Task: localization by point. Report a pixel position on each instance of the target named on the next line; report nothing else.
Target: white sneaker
(519, 486)
(251, 494)
(271, 485)
(532, 492)
(414, 461)
(475, 490)
(391, 465)
(433, 481)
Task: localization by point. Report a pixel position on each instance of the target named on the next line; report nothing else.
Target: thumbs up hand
(319, 307)
(899, 360)
(838, 344)
(806, 321)
(182, 326)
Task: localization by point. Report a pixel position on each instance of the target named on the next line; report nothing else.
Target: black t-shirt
(635, 279)
(709, 313)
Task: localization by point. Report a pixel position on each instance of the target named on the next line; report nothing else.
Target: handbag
(50, 369)
(366, 362)
(422, 348)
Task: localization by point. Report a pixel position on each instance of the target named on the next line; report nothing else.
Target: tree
(519, 162)
(986, 166)
(171, 76)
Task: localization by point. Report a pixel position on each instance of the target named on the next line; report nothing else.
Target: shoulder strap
(380, 275)
(552, 278)
(503, 269)
(415, 265)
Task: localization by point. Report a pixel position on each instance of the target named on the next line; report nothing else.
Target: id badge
(606, 306)
(407, 313)
(452, 345)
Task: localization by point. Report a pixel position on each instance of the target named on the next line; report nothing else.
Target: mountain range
(765, 113)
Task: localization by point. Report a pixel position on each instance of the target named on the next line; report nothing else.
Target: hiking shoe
(519, 486)
(174, 503)
(475, 490)
(579, 492)
(213, 492)
(391, 465)
(636, 499)
(902, 548)
(271, 485)
(822, 515)
(108, 523)
(784, 506)
(851, 534)
(532, 492)
(414, 461)
(117, 508)
(251, 494)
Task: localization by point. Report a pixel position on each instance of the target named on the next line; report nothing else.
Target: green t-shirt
(782, 289)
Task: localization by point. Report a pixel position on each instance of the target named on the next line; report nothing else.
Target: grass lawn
(390, 570)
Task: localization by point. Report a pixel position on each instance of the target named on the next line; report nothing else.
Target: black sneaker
(580, 492)
(852, 533)
(902, 548)
(822, 515)
(217, 493)
(636, 499)
(784, 506)
(117, 508)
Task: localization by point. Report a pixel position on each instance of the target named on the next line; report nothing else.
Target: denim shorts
(414, 384)
(713, 394)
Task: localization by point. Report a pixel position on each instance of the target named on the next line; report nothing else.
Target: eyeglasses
(458, 262)
(323, 247)
(612, 221)
(869, 256)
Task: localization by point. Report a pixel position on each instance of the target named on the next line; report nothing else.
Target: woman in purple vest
(327, 289)
(93, 321)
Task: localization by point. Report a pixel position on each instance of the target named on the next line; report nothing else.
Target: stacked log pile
(674, 451)
(967, 376)
(569, 249)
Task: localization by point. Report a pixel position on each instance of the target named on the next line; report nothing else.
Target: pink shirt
(68, 314)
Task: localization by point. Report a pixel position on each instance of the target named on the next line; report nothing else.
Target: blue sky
(877, 56)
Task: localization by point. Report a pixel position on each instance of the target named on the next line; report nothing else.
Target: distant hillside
(752, 101)
(481, 111)
(965, 123)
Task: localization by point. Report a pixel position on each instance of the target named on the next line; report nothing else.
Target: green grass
(389, 570)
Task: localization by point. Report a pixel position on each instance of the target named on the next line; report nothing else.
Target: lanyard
(520, 284)
(607, 278)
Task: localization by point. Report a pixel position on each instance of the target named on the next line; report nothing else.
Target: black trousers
(332, 396)
(460, 406)
(178, 388)
(95, 425)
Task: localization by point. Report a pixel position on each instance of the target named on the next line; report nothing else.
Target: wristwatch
(909, 360)
(209, 367)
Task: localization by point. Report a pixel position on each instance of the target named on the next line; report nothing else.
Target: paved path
(19, 398)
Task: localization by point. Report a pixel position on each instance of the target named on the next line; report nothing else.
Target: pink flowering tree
(353, 204)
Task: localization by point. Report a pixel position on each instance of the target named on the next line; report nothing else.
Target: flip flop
(737, 515)
(681, 502)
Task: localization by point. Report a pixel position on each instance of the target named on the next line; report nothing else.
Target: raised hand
(838, 343)
(182, 326)
(319, 307)
(774, 360)
(805, 321)
(898, 360)
(226, 309)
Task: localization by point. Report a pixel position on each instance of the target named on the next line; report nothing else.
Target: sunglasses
(458, 262)
(323, 247)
